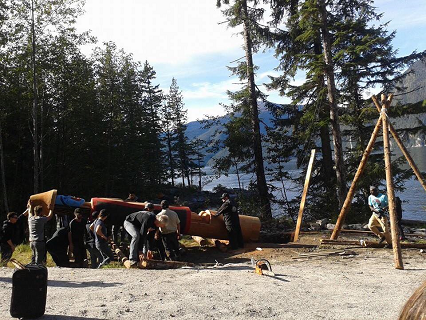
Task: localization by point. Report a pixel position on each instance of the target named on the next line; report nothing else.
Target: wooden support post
(348, 201)
(403, 149)
(389, 185)
(305, 191)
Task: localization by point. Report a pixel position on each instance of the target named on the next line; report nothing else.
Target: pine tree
(152, 99)
(239, 13)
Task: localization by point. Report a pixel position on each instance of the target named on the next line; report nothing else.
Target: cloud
(160, 31)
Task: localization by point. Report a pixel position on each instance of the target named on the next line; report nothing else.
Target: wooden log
(389, 185)
(305, 192)
(371, 244)
(200, 240)
(349, 197)
(403, 149)
(220, 245)
(158, 264)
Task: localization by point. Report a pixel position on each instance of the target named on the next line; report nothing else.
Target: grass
(23, 254)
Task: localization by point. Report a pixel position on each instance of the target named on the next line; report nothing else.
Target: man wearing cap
(137, 224)
(378, 202)
(170, 234)
(232, 222)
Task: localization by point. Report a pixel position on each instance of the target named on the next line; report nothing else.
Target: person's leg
(373, 225)
(6, 254)
(384, 223)
(232, 237)
(93, 256)
(173, 244)
(401, 230)
(102, 249)
(40, 251)
(134, 243)
(34, 252)
(79, 255)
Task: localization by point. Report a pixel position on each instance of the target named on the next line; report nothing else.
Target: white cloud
(161, 30)
(207, 90)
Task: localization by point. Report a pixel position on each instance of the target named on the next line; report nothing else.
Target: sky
(186, 40)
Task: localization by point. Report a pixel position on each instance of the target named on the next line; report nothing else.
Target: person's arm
(50, 215)
(222, 208)
(178, 231)
(99, 233)
(11, 245)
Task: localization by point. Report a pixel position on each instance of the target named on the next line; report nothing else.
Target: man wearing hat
(170, 234)
(378, 202)
(138, 224)
(232, 221)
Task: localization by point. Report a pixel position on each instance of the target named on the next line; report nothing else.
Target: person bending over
(138, 224)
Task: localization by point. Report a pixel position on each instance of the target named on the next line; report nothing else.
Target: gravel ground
(366, 286)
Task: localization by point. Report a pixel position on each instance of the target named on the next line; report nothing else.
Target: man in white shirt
(170, 234)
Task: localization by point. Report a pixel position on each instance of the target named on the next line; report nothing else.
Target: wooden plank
(349, 197)
(305, 192)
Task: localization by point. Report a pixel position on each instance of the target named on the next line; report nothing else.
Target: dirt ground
(364, 285)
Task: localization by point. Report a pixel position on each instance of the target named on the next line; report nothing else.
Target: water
(413, 197)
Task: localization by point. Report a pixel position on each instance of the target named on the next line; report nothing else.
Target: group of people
(149, 232)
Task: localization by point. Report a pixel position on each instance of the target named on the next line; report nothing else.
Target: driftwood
(221, 244)
(200, 240)
(158, 264)
(371, 244)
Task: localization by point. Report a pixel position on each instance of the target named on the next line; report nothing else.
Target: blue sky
(183, 39)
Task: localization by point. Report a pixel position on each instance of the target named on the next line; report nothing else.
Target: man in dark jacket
(57, 246)
(138, 224)
(10, 235)
(232, 222)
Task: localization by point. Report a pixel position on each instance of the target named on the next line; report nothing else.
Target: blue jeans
(134, 243)
(105, 252)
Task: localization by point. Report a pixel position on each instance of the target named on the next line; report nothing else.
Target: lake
(413, 197)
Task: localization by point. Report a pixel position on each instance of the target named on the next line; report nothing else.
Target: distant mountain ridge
(414, 85)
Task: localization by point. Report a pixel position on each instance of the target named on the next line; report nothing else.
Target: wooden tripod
(387, 126)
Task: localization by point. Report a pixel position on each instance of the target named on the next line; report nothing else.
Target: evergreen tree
(239, 13)
(152, 99)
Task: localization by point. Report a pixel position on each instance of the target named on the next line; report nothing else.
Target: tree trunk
(36, 148)
(257, 141)
(3, 172)
(334, 117)
(170, 155)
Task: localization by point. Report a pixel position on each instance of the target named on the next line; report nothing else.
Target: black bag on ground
(29, 291)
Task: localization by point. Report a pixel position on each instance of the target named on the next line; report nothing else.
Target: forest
(99, 124)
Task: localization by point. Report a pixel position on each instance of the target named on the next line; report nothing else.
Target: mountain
(413, 85)
(409, 125)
